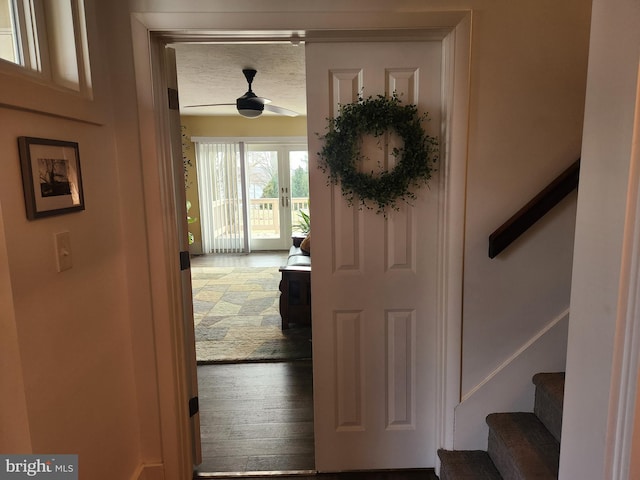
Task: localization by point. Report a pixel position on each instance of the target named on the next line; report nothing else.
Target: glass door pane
(278, 188)
(299, 174)
(264, 196)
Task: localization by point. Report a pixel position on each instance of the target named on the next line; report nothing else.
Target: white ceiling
(212, 73)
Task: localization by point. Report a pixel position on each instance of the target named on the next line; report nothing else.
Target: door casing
(151, 32)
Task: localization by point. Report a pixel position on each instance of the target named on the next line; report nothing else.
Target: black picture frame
(51, 177)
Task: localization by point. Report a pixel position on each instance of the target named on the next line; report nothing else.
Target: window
(10, 48)
(251, 191)
(47, 39)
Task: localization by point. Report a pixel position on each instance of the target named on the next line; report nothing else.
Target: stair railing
(534, 210)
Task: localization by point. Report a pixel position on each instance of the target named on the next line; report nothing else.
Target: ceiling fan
(250, 105)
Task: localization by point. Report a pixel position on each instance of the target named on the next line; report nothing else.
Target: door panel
(374, 278)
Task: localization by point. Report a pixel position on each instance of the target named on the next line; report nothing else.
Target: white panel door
(374, 278)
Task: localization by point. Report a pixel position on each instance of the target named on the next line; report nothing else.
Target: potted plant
(302, 228)
(190, 220)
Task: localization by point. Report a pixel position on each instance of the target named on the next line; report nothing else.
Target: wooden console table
(295, 298)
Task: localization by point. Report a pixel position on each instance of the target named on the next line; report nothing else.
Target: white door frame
(154, 30)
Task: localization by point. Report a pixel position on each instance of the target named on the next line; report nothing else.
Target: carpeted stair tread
(467, 465)
(548, 400)
(552, 384)
(522, 448)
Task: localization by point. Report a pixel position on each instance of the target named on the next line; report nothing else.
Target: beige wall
(14, 416)
(266, 126)
(527, 97)
(70, 336)
(527, 87)
(73, 330)
(219, 126)
(527, 101)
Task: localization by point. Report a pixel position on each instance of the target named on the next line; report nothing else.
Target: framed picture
(50, 177)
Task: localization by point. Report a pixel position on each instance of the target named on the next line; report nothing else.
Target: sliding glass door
(250, 193)
(278, 188)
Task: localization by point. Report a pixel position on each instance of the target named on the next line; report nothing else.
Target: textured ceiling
(212, 73)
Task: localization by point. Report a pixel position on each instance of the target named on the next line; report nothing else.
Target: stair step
(549, 400)
(522, 448)
(467, 465)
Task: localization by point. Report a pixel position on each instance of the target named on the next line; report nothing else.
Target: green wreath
(340, 154)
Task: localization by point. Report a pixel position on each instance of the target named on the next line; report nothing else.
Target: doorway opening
(247, 183)
(456, 45)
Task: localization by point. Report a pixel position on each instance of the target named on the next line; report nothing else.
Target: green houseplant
(190, 220)
(304, 222)
(302, 228)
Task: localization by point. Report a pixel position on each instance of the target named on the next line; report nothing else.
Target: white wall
(596, 298)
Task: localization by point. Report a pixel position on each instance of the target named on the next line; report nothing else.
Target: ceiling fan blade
(281, 111)
(249, 104)
(209, 105)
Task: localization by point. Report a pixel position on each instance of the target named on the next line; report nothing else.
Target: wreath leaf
(341, 155)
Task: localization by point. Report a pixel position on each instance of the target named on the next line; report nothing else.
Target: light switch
(63, 251)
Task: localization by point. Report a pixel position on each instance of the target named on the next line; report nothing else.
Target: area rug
(237, 319)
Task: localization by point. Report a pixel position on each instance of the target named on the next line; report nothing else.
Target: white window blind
(221, 187)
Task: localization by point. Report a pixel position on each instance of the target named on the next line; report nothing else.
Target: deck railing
(264, 213)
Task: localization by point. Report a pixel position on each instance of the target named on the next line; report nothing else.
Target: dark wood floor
(256, 417)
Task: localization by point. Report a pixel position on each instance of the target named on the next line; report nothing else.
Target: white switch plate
(64, 260)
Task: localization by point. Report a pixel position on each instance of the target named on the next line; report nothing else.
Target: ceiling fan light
(249, 113)
(249, 106)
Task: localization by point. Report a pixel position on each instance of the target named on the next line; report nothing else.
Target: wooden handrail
(534, 210)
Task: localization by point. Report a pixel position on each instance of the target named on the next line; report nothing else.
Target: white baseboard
(509, 387)
(149, 472)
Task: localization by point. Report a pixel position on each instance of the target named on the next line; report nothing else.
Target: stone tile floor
(236, 310)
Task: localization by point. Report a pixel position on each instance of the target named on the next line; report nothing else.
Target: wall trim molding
(457, 70)
(525, 346)
(509, 388)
